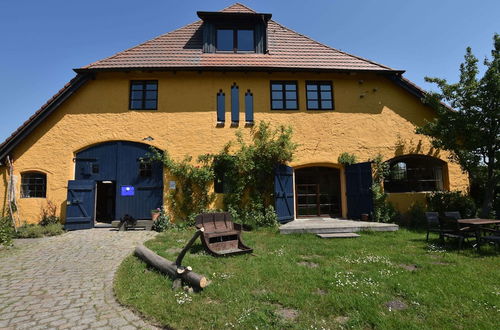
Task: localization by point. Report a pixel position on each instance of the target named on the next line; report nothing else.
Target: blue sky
(42, 41)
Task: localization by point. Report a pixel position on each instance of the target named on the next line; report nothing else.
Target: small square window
(143, 95)
(284, 95)
(145, 170)
(33, 185)
(235, 40)
(319, 95)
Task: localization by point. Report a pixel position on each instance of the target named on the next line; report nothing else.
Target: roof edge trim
(27, 127)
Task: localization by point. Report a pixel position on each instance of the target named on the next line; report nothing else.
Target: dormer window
(235, 40)
(234, 32)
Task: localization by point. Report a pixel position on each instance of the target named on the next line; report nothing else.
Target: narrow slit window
(221, 106)
(249, 107)
(235, 104)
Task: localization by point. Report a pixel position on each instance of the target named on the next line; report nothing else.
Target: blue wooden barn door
(144, 181)
(359, 193)
(80, 205)
(283, 193)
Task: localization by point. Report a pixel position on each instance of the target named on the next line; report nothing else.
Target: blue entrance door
(80, 205)
(283, 193)
(138, 185)
(359, 192)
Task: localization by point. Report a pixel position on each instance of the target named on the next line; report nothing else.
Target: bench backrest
(219, 222)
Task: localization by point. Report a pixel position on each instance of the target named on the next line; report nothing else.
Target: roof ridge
(88, 66)
(238, 4)
(335, 49)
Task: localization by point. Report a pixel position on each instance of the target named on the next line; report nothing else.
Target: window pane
(277, 87)
(312, 104)
(311, 87)
(326, 87)
(326, 95)
(291, 95)
(136, 105)
(150, 105)
(152, 86)
(312, 95)
(151, 95)
(225, 40)
(326, 104)
(291, 104)
(291, 87)
(277, 104)
(245, 40)
(277, 95)
(137, 86)
(136, 95)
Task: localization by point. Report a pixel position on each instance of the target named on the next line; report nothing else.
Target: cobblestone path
(66, 282)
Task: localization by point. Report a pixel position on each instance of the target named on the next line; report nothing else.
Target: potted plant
(155, 214)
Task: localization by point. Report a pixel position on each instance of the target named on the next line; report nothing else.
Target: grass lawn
(381, 280)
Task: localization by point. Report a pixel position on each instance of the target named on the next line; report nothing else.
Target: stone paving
(66, 282)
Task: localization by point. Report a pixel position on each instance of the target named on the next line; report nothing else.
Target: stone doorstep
(338, 235)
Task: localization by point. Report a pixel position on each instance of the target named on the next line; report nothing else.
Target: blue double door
(112, 181)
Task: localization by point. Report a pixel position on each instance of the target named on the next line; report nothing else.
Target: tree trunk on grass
(170, 268)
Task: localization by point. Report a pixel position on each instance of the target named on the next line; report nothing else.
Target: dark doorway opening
(317, 191)
(105, 201)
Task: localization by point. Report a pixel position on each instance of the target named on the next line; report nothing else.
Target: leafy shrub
(6, 231)
(53, 229)
(383, 210)
(415, 217)
(162, 223)
(346, 158)
(30, 231)
(48, 215)
(255, 216)
(444, 201)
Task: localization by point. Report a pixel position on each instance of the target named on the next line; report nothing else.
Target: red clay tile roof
(238, 8)
(182, 48)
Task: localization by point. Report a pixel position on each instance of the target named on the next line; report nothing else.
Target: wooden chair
(433, 224)
(452, 228)
(493, 237)
(221, 236)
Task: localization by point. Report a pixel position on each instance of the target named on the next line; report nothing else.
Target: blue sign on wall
(128, 191)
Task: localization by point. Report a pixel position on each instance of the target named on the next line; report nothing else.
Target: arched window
(414, 173)
(33, 185)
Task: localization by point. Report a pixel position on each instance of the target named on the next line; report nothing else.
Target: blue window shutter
(249, 106)
(221, 106)
(235, 104)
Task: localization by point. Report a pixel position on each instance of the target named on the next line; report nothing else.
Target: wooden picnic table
(476, 226)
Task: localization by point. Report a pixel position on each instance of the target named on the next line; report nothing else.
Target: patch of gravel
(288, 314)
(341, 319)
(411, 268)
(396, 305)
(308, 264)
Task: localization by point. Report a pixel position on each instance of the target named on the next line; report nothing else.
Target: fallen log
(170, 268)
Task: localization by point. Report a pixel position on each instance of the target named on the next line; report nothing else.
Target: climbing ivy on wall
(383, 211)
(246, 167)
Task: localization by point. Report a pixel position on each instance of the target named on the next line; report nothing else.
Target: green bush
(48, 215)
(30, 231)
(37, 231)
(162, 223)
(53, 229)
(452, 201)
(415, 217)
(346, 158)
(255, 216)
(6, 231)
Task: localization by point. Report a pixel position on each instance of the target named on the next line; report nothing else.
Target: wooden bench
(146, 224)
(221, 236)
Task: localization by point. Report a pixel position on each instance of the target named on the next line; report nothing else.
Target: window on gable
(284, 95)
(235, 40)
(143, 95)
(33, 185)
(319, 95)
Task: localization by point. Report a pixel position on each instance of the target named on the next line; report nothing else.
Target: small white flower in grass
(183, 298)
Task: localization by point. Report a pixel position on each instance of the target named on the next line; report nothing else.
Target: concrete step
(338, 235)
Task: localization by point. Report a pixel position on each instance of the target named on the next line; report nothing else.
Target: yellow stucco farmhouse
(187, 91)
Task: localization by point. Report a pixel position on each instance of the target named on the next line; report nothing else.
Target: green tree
(471, 129)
